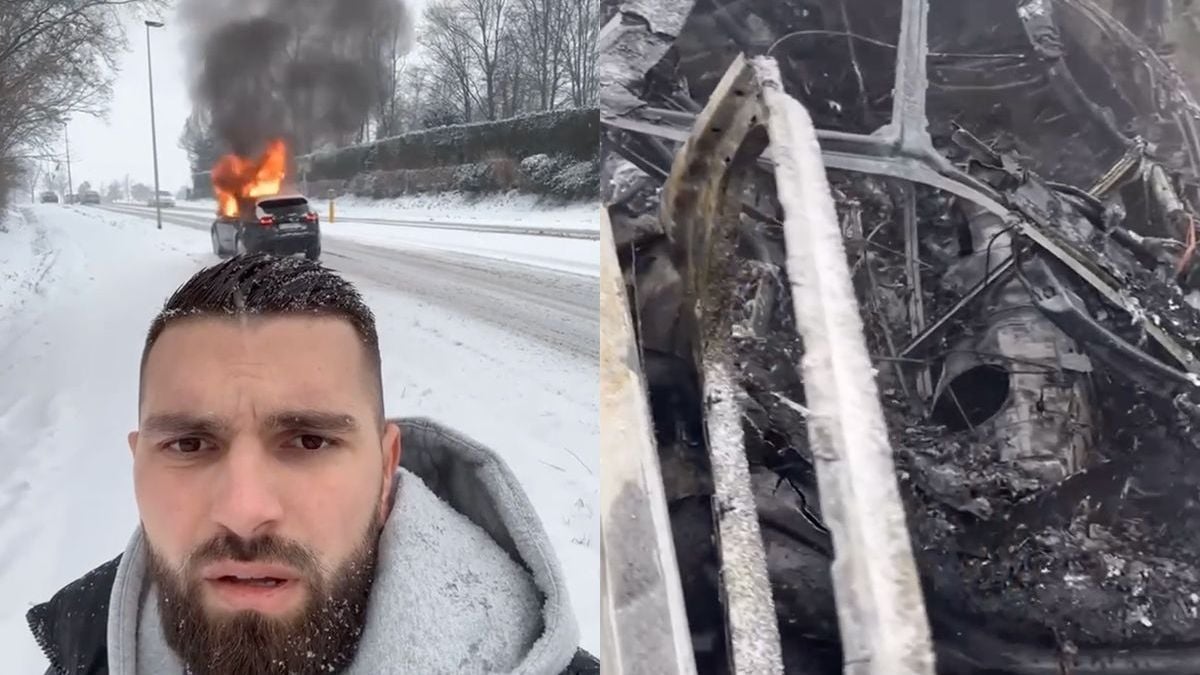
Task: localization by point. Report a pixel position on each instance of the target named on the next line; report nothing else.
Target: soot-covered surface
(1050, 482)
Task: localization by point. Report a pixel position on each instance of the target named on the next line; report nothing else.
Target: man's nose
(246, 499)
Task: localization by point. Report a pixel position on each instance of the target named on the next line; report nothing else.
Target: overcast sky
(106, 150)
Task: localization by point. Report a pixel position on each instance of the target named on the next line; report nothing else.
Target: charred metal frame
(701, 207)
(880, 606)
(701, 200)
(903, 149)
(643, 620)
(881, 610)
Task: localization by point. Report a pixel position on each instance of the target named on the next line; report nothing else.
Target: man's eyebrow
(177, 423)
(312, 420)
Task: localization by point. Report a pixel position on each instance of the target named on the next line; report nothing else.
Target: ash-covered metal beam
(881, 610)
(643, 621)
(701, 205)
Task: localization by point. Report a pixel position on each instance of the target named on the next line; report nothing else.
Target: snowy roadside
(577, 256)
(25, 259)
(68, 396)
(516, 210)
(567, 255)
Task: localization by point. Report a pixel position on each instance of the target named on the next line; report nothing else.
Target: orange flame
(237, 178)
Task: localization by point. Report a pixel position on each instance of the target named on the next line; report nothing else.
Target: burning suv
(282, 224)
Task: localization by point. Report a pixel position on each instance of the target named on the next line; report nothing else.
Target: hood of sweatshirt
(466, 578)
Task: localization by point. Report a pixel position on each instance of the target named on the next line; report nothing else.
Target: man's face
(262, 477)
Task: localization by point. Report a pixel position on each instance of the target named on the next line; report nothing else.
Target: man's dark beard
(321, 637)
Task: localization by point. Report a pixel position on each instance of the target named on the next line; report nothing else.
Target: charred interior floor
(1048, 444)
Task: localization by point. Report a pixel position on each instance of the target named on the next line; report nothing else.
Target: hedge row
(572, 133)
(552, 153)
(561, 177)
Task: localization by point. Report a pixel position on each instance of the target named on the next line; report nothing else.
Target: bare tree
(393, 61)
(542, 29)
(486, 25)
(579, 51)
(511, 84)
(55, 181)
(141, 192)
(199, 142)
(448, 45)
(486, 59)
(464, 37)
(57, 58)
(30, 174)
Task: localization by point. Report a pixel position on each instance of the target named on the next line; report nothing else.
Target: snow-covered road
(559, 308)
(505, 351)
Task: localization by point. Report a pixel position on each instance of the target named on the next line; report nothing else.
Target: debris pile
(1017, 188)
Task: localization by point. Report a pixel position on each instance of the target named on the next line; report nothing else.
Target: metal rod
(701, 201)
(912, 267)
(908, 98)
(70, 181)
(645, 626)
(996, 274)
(881, 611)
(153, 130)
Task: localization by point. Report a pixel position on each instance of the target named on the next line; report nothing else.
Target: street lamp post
(70, 185)
(153, 132)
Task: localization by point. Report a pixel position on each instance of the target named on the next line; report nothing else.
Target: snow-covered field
(504, 351)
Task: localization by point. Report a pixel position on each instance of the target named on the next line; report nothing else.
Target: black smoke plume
(301, 70)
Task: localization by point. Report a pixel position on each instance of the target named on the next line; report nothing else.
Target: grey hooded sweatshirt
(466, 579)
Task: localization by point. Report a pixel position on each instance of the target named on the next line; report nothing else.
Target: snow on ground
(580, 256)
(23, 263)
(78, 288)
(513, 209)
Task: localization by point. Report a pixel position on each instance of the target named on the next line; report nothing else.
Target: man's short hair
(270, 286)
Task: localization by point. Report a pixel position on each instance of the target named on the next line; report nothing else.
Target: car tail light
(266, 221)
(310, 217)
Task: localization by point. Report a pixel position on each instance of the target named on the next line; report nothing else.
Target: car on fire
(281, 224)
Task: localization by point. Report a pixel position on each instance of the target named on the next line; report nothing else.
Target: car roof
(286, 195)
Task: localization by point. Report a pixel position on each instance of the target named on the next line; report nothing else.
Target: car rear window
(287, 206)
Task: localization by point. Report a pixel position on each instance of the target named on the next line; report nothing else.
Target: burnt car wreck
(1012, 188)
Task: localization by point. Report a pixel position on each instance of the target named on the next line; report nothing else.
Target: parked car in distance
(49, 197)
(89, 197)
(280, 224)
(164, 200)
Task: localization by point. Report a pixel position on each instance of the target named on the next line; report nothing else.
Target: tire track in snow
(31, 277)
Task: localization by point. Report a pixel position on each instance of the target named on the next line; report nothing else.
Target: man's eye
(188, 446)
(312, 442)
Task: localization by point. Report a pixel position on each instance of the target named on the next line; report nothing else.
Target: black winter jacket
(72, 627)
